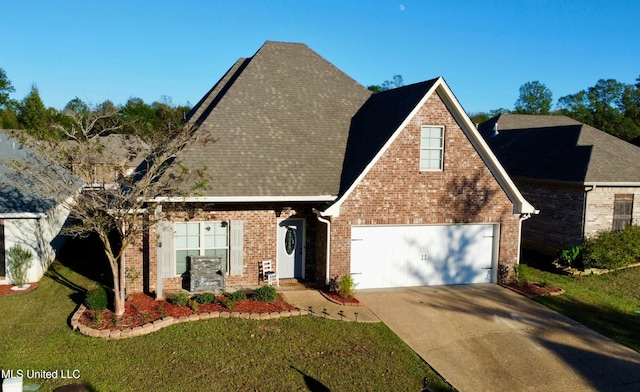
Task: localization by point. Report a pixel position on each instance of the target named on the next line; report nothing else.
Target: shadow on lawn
(311, 383)
(86, 257)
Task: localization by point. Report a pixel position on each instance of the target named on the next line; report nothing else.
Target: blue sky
(484, 49)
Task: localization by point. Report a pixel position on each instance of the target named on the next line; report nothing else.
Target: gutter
(328, 251)
(23, 215)
(241, 199)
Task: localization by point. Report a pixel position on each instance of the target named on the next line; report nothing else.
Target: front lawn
(298, 353)
(609, 303)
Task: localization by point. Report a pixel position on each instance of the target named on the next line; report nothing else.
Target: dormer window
(431, 148)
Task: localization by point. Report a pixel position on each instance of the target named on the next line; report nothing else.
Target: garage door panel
(400, 256)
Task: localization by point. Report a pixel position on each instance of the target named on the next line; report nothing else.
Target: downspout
(328, 251)
(523, 217)
(584, 210)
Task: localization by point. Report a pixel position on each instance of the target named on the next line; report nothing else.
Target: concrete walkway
(488, 338)
(322, 307)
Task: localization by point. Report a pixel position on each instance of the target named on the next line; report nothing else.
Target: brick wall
(559, 223)
(599, 214)
(396, 192)
(260, 241)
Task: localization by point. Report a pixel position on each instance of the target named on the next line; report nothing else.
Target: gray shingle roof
(14, 197)
(280, 120)
(557, 148)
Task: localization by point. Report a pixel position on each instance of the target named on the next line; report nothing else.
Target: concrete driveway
(488, 338)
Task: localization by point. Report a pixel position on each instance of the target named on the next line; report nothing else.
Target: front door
(290, 263)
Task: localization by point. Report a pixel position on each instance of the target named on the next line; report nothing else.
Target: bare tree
(87, 122)
(117, 213)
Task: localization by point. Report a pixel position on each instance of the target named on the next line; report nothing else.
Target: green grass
(608, 303)
(298, 353)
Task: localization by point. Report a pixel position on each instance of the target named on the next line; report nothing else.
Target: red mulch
(533, 289)
(5, 289)
(141, 309)
(337, 298)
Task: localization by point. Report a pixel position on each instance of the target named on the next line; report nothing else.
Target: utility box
(206, 273)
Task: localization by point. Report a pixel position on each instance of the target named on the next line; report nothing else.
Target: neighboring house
(26, 219)
(583, 180)
(312, 171)
(117, 155)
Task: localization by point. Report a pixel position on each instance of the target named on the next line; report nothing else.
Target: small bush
(612, 249)
(567, 257)
(21, 260)
(96, 299)
(265, 294)
(194, 306)
(229, 300)
(346, 287)
(206, 298)
(180, 298)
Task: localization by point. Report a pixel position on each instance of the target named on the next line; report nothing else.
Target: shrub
(346, 287)
(20, 263)
(96, 299)
(567, 257)
(612, 249)
(206, 298)
(265, 294)
(180, 298)
(229, 300)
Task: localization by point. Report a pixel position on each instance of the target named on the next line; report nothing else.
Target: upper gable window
(431, 148)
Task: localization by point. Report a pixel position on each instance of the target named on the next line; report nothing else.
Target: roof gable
(558, 148)
(394, 117)
(280, 122)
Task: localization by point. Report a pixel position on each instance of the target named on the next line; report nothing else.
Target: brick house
(312, 171)
(582, 179)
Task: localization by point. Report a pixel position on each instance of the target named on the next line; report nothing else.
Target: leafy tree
(387, 84)
(535, 98)
(5, 89)
(604, 106)
(32, 114)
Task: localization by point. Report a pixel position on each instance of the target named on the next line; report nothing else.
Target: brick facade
(260, 241)
(599, 211)
(560, 221)
(569, 213)
(396, 192)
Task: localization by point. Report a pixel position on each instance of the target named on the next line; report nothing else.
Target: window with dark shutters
(622, 211)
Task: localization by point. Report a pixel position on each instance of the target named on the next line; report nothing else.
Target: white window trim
(441, 149)
(201, 248)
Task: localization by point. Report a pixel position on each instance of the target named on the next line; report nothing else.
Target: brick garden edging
(167, 321)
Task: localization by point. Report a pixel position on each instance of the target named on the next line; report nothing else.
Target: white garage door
(401, 256)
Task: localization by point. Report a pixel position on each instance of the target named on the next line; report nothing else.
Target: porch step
(291, 283)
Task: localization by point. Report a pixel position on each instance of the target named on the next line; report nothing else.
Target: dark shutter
(3, 263)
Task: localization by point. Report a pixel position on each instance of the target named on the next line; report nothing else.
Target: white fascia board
(242, 199)
(334, 209)
(22, 215)
(612, 184)
(520, 204)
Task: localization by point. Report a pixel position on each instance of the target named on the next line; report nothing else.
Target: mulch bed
(337, 298)
(5, 289)
(535, 289)
(141, 309)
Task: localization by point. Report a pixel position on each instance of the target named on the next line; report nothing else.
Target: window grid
(622, 211)
(431, 148)
(200, 239)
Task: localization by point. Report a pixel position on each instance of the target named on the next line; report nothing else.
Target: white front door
(290, 263)
(422, 255)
